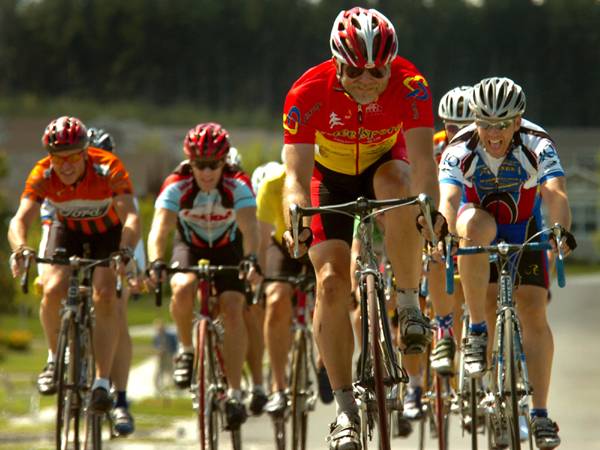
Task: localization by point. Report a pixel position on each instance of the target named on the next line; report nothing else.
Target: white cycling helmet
(233, 158)
(497, 98)
(454, 105)
(262, 172)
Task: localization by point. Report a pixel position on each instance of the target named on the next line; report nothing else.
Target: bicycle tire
(279, 431)
(378, 370)
(441, 413)
(67, 405)
(299, 389)
(207, 431)
(93, 423)
(510, 381)
(473, 403)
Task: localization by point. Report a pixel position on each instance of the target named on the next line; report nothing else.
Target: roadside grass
(574, 267)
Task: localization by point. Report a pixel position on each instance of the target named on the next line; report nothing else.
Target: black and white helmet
(101, 139)
(497, 98)
(454, 105)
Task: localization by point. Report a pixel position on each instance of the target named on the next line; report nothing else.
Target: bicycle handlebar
(74, 262)
(504, 248)
(201, 271)
(362, 207)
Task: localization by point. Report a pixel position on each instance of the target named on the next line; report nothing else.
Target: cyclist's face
(69, 165)
(496, 136)
(207, 173)
(364, 87)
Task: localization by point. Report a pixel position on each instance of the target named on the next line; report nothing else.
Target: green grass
(574, 267)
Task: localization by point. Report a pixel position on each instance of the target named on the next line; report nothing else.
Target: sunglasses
(497, 125)
(212, 164)
(454, 127)
(375, 72)
(73, 158)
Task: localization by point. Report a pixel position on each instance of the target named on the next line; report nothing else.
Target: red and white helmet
(363, 38)
(206, 141)
(65, 133)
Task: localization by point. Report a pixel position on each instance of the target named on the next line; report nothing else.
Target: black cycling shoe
(46, 381)
(325, 391)
(101, 401)
(258, 400)
(415, 330)
(235, 413)
(402, 426)
(344, 433)
(182, 372)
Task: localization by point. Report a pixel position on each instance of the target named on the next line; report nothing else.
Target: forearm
(251, 239)
(130, 235)
(294, 192)
(559, 211)
(157, 242)
(17, 233)
(424, 179)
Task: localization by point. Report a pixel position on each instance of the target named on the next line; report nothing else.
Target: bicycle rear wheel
(378, 370)
(299, 387)
(93, 422)
(68, 405)
(442, 413)
(510, 381)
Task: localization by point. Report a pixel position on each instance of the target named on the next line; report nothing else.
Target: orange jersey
(349, 136)
(86, 206)
(440, 141)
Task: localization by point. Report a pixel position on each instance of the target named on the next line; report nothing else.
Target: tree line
(245, 54)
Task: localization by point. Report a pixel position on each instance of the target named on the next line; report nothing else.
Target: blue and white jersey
(508, 188)
(206, 219)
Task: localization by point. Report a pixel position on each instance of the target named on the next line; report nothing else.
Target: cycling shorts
(533, 266)
(328, 187)
(279, 262)
(230, 255)
(76, 243)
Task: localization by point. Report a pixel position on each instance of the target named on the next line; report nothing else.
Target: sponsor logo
(417, 86)
(291, 120)
(83, 213)
(334, 120)
(374, 108)
(311, 111)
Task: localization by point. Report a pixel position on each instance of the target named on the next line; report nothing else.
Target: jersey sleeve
(549, 165)
(243, 196)
(36, 185)
(119, 180)
(170, 197)
(295, 130)
(451, 169)
(417, 106)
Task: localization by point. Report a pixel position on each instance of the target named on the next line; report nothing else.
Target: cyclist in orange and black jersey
(92, 193)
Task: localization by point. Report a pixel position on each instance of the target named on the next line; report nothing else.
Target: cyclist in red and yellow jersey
(370, 115)
(92, 194)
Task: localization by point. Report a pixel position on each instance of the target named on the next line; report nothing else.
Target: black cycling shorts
(228, 255)
(328, 188)
(76, 243)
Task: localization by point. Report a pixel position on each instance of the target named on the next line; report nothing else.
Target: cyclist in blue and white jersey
(211, 205)
(493, 177)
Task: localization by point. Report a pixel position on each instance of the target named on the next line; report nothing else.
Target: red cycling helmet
(206, 140)
(65, 133)
(363, 38)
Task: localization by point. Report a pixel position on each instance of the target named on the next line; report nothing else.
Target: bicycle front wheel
(299, 392)
(510, 381)
(68, 406)
(377, 357)
(207, 403)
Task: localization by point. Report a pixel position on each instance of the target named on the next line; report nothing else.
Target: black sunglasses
(355, 72)
(212, 164)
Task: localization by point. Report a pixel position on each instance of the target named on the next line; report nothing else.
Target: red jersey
(349, 136)
(86, 206)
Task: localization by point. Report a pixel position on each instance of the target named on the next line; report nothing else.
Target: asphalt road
(574, 398)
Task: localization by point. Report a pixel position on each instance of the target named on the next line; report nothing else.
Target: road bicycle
(75, 364)
(209, 380)
(507, 392)
(379, 367)
(303, 372)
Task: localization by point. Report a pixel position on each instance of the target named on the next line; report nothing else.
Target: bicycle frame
(506, 399)
(378, 360)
